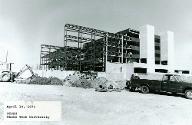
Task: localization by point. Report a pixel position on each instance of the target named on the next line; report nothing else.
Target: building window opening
(143, 60)
(157, 62)
(161, 70)
(164, 62)
(185, 72)
(140, 70)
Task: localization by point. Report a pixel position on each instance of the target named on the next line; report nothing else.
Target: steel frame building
(89, 49)
(86, 40)
(50, 55)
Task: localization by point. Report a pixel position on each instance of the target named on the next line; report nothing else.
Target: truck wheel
(144, 89)
(174, 93)
(127, 85)
(188, 94)
(132, 89)
(5, 76)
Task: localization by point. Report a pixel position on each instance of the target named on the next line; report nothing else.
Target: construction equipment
(5, 70)
(25, 68)
(6, 73)
(8, 76)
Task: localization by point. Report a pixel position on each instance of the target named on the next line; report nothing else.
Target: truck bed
(153, 84)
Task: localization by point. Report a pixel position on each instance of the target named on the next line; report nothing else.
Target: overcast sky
(25, 24)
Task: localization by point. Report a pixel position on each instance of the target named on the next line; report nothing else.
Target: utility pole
(6, 58)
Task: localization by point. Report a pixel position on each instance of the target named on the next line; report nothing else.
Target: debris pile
(56, 81)
(100, 84)
(121, 84)
(98, 81)
(77, 80)
(108, 86)
(41, 81)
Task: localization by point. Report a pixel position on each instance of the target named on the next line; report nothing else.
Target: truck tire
(5, 77)
(132, 89)
(127, 84)
(144, 89)
(174, 93)
(188, 93)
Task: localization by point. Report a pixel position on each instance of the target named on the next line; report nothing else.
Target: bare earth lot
(87, 107)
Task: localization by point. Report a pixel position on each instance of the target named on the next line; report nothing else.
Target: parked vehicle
(173, 83)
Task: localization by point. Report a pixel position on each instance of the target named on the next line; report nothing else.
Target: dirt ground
(87, 107)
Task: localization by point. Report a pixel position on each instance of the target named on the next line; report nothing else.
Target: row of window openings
(183, 72)
(144, 70)
(144, 60)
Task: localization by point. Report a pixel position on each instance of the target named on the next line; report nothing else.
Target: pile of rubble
(100, 84)
(78, 80)
(40, 81)
(83, 80)
(103, 85)
(46, 81)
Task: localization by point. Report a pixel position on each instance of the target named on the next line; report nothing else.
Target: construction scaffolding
(88, 49)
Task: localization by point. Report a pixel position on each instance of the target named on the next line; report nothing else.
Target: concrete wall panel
(147, 49)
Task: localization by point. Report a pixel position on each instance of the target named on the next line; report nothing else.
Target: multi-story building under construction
(124, 52)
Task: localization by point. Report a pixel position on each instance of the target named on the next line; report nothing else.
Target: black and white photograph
(95, 62)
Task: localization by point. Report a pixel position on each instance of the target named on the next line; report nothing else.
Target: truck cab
(171, 83)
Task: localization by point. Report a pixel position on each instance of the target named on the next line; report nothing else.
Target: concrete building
(156, 51)
(156, 54)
